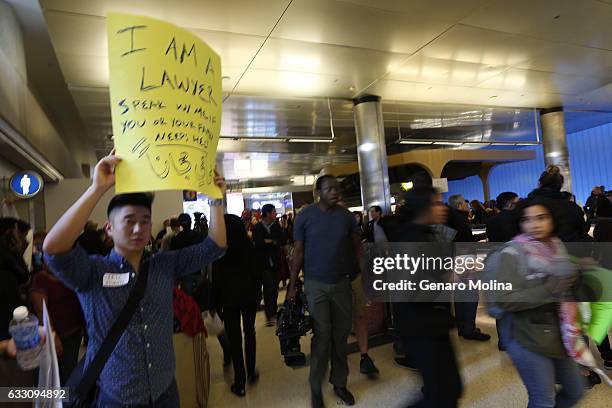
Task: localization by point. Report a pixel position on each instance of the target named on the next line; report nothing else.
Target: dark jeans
(225, 346)
(70, 357)
(500, 343)
(231, 317)
(434, 357)
(540, 373)
(168, 399)
(466, 306)
(270, 292)
(330, 307)
(604, 349)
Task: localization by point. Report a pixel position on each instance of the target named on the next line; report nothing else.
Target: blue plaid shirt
(142, 365)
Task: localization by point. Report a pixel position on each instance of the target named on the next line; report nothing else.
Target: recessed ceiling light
(225, 77)
(351, 88)
(262, 139)
(492, 96)
(309, 140)
(407, 141)
(556, 17)
(448, 143)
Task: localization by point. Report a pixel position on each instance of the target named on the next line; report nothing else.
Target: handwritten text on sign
(165, 87)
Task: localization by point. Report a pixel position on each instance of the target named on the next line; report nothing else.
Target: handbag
(213, 324)
(82, 386)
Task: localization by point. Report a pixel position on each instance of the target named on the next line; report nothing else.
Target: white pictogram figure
(25, 184)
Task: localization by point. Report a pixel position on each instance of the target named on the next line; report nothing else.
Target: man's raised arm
(216, 231)
(67, 229)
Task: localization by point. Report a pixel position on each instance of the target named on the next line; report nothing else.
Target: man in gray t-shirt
(327, 240)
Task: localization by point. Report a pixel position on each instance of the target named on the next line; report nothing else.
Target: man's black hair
(185, 220)
(416, 201)
(267, 209)
(136, 199)
(7, 224)
(377, 208)
(23, 226)
(321, 179)
(551, 178)
(503, 199)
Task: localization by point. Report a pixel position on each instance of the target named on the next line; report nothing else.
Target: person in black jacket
(571, 224)
(91, 241)
(458, 219)
(237, 292)
(604, 205)
(184, 239)
(14, 275)
(466, 302)
(424, 327)
(374, 232)
(268, 238)
(480, 213)
(502, 227)
(590, 206)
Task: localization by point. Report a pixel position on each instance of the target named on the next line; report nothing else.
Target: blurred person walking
(466, 301)
(327, 241)
(424, 327)
(502, 228)
(14, 276)
(268, 238)
(65, 315)
(236, 293)
(537, 266)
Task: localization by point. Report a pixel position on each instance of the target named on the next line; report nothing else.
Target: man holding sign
(140, 370)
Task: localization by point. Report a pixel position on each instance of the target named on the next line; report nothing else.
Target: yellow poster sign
(165, 90)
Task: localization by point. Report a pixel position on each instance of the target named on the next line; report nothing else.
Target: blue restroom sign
(26, 184)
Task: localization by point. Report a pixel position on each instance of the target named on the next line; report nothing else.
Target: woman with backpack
(537, 265)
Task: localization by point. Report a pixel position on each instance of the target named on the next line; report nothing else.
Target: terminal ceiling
(444, 69)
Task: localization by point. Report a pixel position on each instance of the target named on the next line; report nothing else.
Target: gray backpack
(490, 273)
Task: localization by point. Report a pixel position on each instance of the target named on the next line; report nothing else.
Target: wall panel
(590, 153)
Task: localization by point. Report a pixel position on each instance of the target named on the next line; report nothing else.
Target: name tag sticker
(113, 280)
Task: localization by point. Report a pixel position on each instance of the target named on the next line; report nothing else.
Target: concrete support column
(555, 143)
(484, 178)
(372, 153)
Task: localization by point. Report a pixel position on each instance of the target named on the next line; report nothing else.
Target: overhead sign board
(441, 184)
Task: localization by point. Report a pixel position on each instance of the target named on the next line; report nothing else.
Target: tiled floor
(489, 378)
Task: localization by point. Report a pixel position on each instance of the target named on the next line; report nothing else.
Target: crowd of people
(229, 265)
